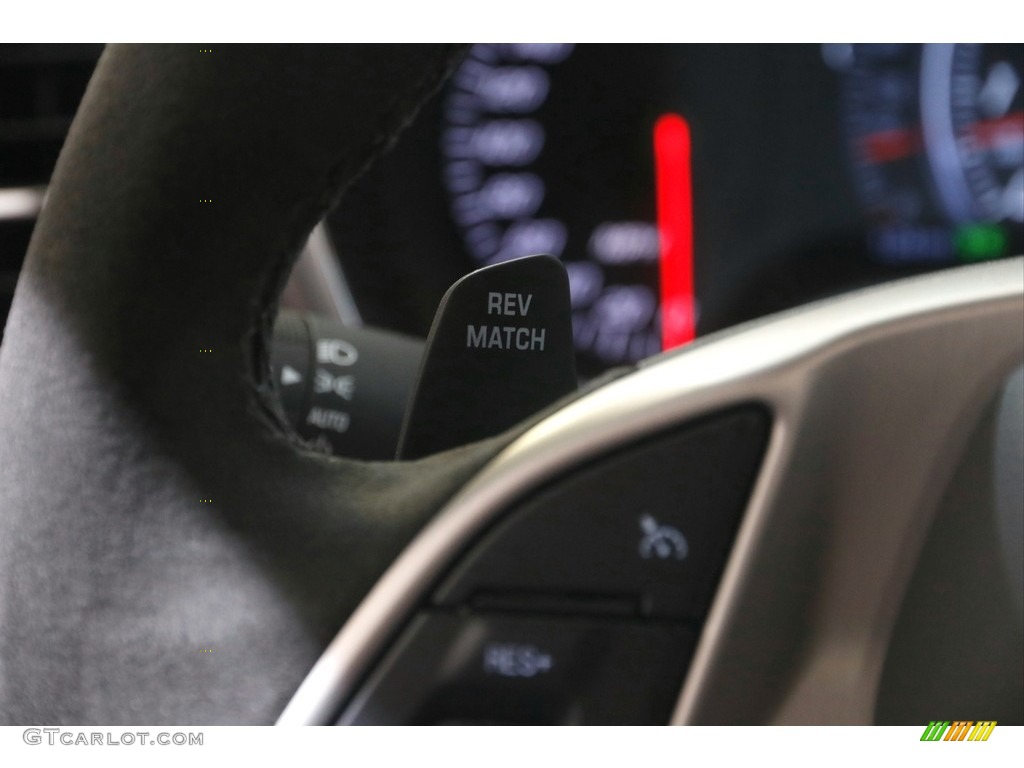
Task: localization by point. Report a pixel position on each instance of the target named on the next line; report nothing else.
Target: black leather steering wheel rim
(170, 553)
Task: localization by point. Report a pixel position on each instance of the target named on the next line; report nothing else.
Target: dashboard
(737, 524)
(686, 188)
(690, 188)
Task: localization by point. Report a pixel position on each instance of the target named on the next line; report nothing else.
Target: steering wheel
(172, 553)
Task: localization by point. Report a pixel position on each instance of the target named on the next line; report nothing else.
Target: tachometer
(526, 175)
(936, 135)
(979, 88)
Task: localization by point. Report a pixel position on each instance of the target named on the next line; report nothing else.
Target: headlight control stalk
(342, 387)
(500, 349)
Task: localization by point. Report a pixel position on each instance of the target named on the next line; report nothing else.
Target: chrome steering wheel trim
(873, 394)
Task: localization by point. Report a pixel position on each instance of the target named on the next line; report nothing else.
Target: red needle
(675, 229)
(889, 146)
(999, 130)
(898, 143)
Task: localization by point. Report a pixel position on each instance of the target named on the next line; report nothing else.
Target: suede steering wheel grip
(169, 554)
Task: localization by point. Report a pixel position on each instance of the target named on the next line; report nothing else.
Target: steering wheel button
(526, 670)
(649, 526)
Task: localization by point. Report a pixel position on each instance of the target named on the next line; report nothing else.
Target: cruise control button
(526, 670)
(650, 526)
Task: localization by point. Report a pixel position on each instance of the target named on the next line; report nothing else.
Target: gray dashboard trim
(874, 395)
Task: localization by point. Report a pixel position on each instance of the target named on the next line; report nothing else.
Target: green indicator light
(979, 242)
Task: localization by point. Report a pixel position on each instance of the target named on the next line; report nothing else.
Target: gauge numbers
(936, 137)
(524, 180)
